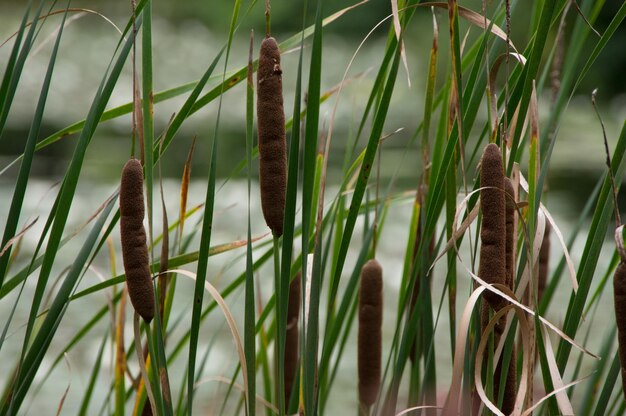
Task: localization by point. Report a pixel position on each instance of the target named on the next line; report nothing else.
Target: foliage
(326, 211)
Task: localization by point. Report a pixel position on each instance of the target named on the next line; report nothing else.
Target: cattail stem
(619, 293)
(280, 335)
(267, 18)
(142, 362)
(291, 340)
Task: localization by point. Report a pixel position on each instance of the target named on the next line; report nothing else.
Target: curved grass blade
(207, 225)
(8, 72)
(364, 172)
(43, 338)
(15, 65)
(591, 253)
(70, 182)
(84, 406)
(29, 149)
(521, 94)
(308, 174)
(147, 107)
(609, 385)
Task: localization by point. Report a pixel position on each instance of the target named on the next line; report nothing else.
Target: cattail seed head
(133, 236)
(370, 331)
(291, 340)
(271, 130)
(510, 233)
(492, 267)
(619, 293)
(510, 387)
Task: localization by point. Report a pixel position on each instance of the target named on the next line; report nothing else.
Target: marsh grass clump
(291, 340)
(133, 236)
(370, 331)
(271, 130)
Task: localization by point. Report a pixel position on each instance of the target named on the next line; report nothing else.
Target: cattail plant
(133, 235)
(495, 254)
(291, 340)
(510, 232)
(544, 259)
(271, 128)
(510, 386)
(370, 331)
(492, 266)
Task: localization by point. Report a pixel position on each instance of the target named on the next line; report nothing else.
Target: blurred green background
(188, 34)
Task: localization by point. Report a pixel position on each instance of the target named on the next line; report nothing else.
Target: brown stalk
(291, 342)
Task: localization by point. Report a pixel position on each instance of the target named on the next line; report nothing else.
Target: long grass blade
(44, 336)
(249, 338)
(29, 149)
(207, 225)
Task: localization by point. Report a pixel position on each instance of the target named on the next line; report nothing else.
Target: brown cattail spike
(510, 233)
(510, 388)
(272, 144)
(370, 331)
(133, 234)
(544, 261)
(492, 267)
(619, 293)
(291, 342)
